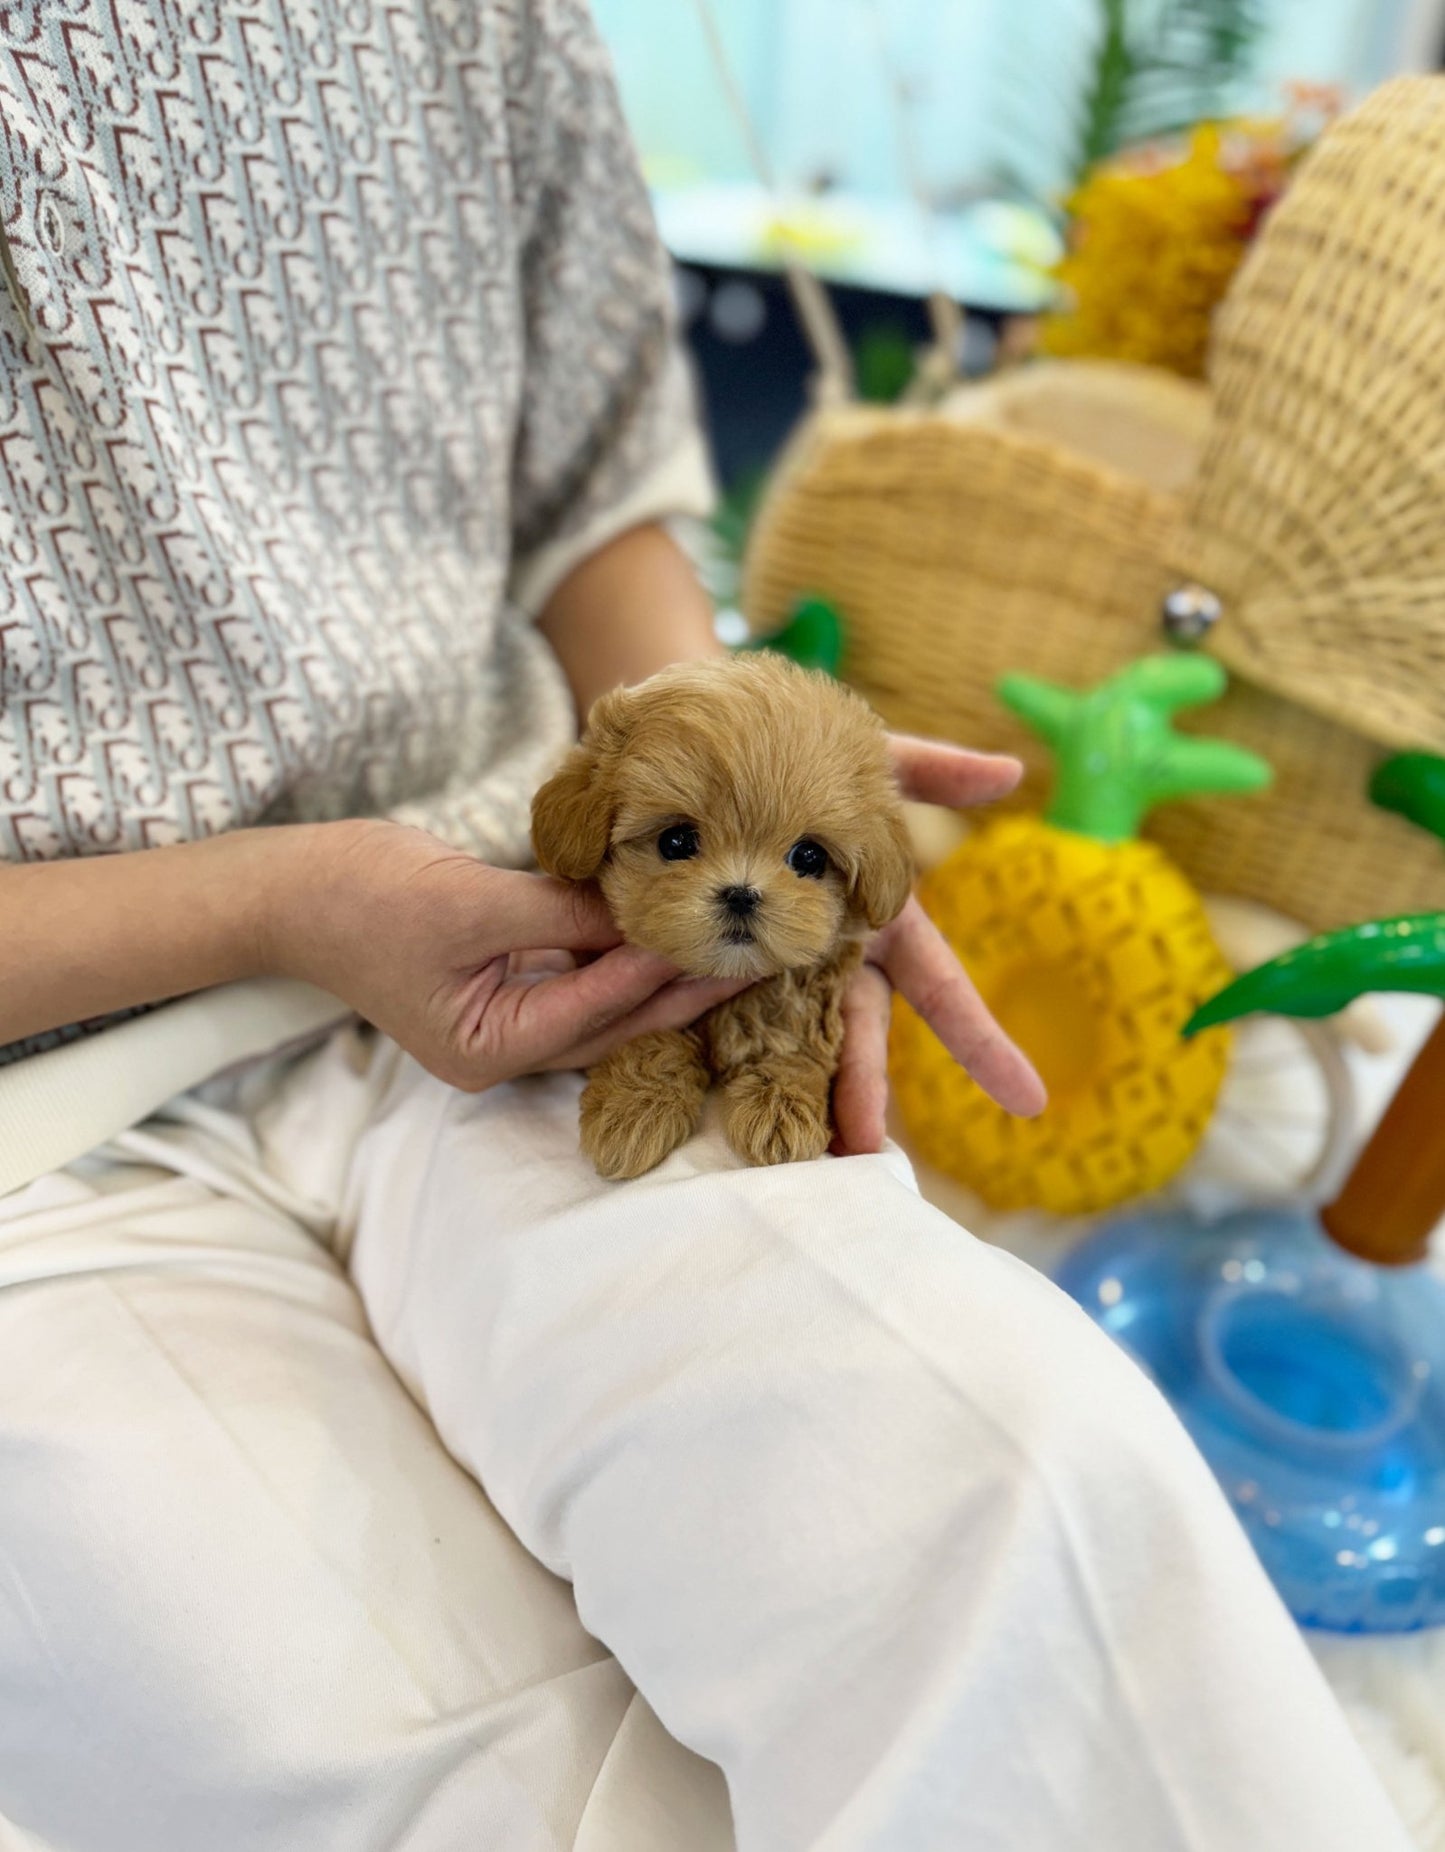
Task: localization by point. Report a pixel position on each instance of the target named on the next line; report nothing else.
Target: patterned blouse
(332, 334)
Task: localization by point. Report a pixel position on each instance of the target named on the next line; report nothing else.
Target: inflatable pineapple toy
(1090, 947)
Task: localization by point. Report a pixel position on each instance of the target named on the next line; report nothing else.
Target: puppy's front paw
(642, 1102)
(774, 1119)
(626, 1132)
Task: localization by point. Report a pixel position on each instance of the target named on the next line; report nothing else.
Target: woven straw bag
(1038, 522)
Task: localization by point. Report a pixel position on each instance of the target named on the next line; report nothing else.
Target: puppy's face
(740, 816)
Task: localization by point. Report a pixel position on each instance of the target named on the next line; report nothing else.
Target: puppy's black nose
(740, 901)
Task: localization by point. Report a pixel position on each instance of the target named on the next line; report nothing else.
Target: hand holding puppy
(480, 973)
(912, 957)
(742, 819)
(483, 974)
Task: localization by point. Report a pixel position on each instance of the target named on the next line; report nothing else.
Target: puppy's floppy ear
(572, 817)
(884, 872)
(572, 813)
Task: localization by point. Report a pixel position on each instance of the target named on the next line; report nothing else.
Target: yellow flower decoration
(1154, 242)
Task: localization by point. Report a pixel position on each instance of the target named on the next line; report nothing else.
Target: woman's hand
(912, 957)
(483, 974)
(480, 973)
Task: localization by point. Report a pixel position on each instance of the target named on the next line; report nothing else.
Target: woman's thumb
(547, 914)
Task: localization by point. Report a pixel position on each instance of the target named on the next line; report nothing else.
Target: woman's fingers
(536, 965)
(860, 1090)
(920, 963)
(529, 1023)
(932, 772)
(676, 1006)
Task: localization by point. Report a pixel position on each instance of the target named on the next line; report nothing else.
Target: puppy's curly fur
(742, 819)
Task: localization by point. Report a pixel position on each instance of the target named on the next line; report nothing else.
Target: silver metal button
(1190, 612)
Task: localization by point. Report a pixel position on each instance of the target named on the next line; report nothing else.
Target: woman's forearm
(627, 611)
(82, 938)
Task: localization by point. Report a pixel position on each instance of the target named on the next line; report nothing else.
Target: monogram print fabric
(327, 328)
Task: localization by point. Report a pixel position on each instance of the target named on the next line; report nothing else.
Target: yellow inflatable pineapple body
(1092, 949)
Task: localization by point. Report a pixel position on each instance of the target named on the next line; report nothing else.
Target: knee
(1104, 1465)
(990, 1372)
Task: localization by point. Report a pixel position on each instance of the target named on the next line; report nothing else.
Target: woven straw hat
(1317, 514)
(1036, 523)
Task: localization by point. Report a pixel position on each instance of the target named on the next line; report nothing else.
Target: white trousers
(898, 1551)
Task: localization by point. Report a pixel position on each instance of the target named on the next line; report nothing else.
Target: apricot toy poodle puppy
(741, 818)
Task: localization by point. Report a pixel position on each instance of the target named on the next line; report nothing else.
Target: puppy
(742, 819)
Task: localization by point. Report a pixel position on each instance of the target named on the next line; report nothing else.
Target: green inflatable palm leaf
(1326, 973)
(1413, 783)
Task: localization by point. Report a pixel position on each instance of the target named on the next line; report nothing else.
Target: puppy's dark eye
(679, 844)
(808, 858)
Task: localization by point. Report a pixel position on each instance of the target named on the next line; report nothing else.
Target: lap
(874, 1516)
(246, 1597)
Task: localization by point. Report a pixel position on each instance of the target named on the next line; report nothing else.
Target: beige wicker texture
(1139, 420)
(957, 551)
(1035, 522)
(1317, 514)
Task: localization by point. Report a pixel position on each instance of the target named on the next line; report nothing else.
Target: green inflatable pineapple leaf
(1118, 754)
